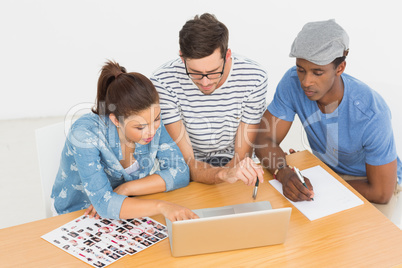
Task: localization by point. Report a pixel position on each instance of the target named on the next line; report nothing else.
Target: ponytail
(109, 72)
(123, 93)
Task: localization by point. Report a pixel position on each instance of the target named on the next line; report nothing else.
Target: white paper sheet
(330, 196)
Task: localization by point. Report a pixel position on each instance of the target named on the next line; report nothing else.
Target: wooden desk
(358, 237)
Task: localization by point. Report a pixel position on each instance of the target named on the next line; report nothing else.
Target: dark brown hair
(201, 36)
(122, 93)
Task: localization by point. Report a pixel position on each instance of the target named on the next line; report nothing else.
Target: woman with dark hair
(118, 151)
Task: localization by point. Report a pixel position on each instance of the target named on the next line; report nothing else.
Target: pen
(301, 178)
(255, 189)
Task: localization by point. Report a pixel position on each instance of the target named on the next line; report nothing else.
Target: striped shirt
(212, 120)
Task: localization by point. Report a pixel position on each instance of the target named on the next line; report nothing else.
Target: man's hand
(246, 170)
(293, 188)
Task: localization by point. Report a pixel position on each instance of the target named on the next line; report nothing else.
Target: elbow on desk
(378, 194)
(175, 178)
(382, 198)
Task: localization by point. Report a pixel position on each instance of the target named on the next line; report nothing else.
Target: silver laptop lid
(233, 209)
(254, 224)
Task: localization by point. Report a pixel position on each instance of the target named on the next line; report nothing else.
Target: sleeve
(256, 104)
(169, 103)
(378, 140)
(86, 147)
(281, 106)
(173, 169)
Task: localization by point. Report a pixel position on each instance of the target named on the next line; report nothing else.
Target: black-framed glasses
(197, 76)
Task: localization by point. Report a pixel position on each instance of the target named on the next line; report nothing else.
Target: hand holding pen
(301, 178)
(295, 187)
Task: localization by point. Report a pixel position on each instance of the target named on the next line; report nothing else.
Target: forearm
(148, 185)
(271, 133)
(239, 156)
(206, 173)
(244, 143)
(270, 155)
(380, 183)
(371, 193)
(134, 207)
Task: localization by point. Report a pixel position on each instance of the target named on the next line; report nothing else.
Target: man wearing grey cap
(348, 124)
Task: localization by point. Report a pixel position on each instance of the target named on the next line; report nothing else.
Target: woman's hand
(121, 189)
(175, 212)
(91, 212)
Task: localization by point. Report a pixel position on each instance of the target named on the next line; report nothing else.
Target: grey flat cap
(320, 42)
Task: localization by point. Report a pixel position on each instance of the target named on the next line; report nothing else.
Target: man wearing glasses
(212, 103)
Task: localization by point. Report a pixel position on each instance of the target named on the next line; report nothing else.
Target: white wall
(51, 51)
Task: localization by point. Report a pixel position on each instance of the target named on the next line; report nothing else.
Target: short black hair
(338, 61)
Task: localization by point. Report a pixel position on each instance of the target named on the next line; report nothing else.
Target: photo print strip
(100, 242)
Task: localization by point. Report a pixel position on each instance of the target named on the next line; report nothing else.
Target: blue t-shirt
(359, 131)
(90, 166)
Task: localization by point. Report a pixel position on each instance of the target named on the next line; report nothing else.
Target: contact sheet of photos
(104, 241)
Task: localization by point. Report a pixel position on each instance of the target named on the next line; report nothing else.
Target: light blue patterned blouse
(90, 168)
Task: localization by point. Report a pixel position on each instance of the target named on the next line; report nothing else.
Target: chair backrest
(49, 142)
(397, 216)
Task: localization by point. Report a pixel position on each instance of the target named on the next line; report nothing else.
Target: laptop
(228, 228)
